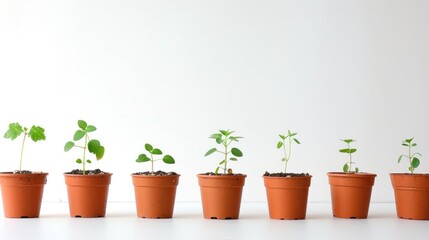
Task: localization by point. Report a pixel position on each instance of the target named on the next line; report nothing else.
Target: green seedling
(93, 145)
(347, 168)
(154, 151)
(36, 133)
(225, 138)
(287, 151)
(414, 162)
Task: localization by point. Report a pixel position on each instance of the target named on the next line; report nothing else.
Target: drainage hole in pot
(352, 217)
(213, 218)
(24, 216)
(228, 218)
(78, 216)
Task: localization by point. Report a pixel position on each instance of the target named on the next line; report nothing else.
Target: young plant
(36, 133)
(92, 145)
(414, 162)
(154, 151)
(225, 138)
(348, 166)
(282, 143)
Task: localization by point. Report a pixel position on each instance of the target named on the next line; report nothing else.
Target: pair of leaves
(166, 159)
(348, 150)
(84, 129)
(346, 168)
(80, 161)
(235, 151)
(348, 140)
(154, 151)
(280, 143)
(36, 133)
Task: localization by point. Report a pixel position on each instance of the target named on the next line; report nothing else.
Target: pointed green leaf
(279, 144)
(400, 157)
(142, 158)
(282, 137)
(88, 161)
(409, 140)
(79, 161)
(148, 147)
(345, 150)
(346, 168)
(222, 162)
(415, 163)
(414, 144)
(15, 129)
(236, 152)
(219, 140)
(233, 159)
(296, 140)
(37, 133)
(224, 132)
(217, 170)
(347, 140)
(293, 134)
(90, 128)
(353, 150)
(406, 145)
(78, 135)
(69, 145)
(210, 152)
(156, 151)
(216, 135)
(82, 124)
(168, 159)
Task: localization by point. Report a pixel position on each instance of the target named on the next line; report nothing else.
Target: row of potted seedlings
(221, 190)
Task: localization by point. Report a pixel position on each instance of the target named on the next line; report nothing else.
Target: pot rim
(294, 177)
(409, 174)
(153, 176)
(87, 175)
(203, 175)
(357, 175)
(22, 174)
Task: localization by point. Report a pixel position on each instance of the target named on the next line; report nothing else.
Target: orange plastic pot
(221, 195)
(287, 196)
(87, 194)
(351, 194)
(155, 195)
(22, 194)
(411, 195)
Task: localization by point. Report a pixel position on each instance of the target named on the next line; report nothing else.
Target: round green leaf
(91, 128)
(219, 140)
(88, 161)
(168, 159)
(236, 152)
(148, 147)
(156, 151)
(69, 145)
(210, 152)
(100, 153)
(142, 158)
(79, 161)
(346, 168)
(415, 162)
(82, 124)
(78, 135)
(279, 144)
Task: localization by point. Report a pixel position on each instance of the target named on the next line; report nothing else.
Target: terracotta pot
(22, 194)
(287, 196)
(221, 195)
(155, 195)
(351, 194)
(411, 195)
(87, 194)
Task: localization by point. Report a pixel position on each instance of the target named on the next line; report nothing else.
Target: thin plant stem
(226, 155)
(22, 152)
(84, 152)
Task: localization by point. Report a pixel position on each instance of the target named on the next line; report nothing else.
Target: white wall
(172, 72)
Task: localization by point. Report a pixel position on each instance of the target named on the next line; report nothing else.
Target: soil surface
(222, 174)
(267, 174)
(87, 172)
(157, 173)
(22, 172)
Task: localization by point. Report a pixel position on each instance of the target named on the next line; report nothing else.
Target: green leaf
(236, 152)
(353, 150)
(79, 161)
(222, 162)
(148, 147)
(400, 157)
(356, 170)
(415, 162)
(100, 153)
(91, 128)
(37, 133)
(235, 138)
(409, 140)
(282, 137)
(216, 135)
(78, 135)
(293, 134)
(217, 170)
(411, 169)
(224, 132)
(15, 129)
(347, 140)
(233, 159)
(414, 144)
(168, 159)
(288, 132)
(279, 144)
(296, 140)
(156, 151)
(210, 152)
(88, 161)
(219, 140)
(69, 145)
(82, 124)
(95, 147)
(284, 159)
(142, 158)
(406, 145)
(345, 150)
(346, 168)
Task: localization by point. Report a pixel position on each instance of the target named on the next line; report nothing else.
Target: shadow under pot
(87, 194)
(411, 195)
(287, 196)
(351, 194)
(221, 195)
(155, 195)
(22, 194)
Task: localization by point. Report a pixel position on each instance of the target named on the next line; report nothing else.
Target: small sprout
(94, 146)
(283, 144)
(413, 160)
(225, 138)
(36, 133)
(348, 166)
(154, 151)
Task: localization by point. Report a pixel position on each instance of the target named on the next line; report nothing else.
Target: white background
(172, 72)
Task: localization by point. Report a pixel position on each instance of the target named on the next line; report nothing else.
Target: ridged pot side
(155, 195)
(351, 194)
(287, 196)
(87, 194)
(22, 194)
(411, 195)
(221, 195)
